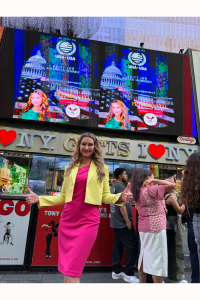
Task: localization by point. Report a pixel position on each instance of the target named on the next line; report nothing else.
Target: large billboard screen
(100, 85)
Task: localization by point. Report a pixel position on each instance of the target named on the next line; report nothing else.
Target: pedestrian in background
(151, 223)
(190, 196)
(124, 235)
(85, 186)
(192, 245)
(174, 240)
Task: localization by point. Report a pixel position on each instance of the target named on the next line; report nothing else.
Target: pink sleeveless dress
(78, 229)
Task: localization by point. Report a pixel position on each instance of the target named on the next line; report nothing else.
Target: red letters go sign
(7, 206)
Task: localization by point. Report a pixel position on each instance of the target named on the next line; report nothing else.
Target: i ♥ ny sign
(7, 137)
(157, 151)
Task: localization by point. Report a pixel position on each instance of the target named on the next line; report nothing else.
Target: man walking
(121, 221)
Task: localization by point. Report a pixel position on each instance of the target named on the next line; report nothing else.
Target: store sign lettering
(27, 139)
(173, 152)
(123, 148)
(21, 208)
(51, 213)
(112, 148)
(186, 140)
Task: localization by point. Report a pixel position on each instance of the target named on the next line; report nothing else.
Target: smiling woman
(37, 107)
(85, 187)
(118, 116)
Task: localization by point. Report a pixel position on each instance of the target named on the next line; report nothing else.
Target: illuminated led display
(96, 84)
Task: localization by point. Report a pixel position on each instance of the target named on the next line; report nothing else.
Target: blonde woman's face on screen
(36, 99)
(87, 147)
(117, 109)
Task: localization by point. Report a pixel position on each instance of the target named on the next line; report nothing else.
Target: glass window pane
(41, 174)
(59, 168)
(109, 163)
(130, 167)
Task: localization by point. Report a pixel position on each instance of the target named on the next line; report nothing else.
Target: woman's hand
(166, 211)
(127, 196)
(32, 198)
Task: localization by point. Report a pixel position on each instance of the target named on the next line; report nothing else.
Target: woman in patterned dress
(151, 223)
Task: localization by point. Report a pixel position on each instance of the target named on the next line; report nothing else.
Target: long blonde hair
(97, 156)
(124, 115)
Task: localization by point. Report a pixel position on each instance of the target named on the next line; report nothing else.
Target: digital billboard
(100, 85)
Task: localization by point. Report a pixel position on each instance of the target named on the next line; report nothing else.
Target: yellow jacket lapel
(92, 171)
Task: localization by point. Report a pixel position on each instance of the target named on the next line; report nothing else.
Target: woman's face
(87, 147)
(117, 109)
(36, 99)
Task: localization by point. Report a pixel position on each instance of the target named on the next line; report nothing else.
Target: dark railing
(21, 197)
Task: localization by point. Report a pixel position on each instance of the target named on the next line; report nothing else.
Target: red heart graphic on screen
(7, 137)
(156, 150)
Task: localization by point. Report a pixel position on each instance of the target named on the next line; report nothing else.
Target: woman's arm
(124, 213)
(172, 201)
(44, 201)
(168, 185)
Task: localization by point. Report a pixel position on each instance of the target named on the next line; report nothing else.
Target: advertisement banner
(14, 223)
(45, 251)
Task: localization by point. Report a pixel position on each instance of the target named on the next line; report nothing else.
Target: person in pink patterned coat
(151, 223)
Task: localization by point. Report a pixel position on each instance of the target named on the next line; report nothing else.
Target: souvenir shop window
(41, 174)
(59, 169)
(14, 172)
(130, 167)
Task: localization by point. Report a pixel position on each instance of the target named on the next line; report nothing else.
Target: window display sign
(96, 84)
(14, 223)
(45, 252)
(13, 177)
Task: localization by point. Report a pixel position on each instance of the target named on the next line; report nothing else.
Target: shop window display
(14, 172)
(47, 172)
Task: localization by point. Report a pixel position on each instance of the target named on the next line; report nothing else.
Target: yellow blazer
(96, 191)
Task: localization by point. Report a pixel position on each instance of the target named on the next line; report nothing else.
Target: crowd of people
(159, 244)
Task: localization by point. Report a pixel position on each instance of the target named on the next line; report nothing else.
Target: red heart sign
(156, 151)
(7, 137)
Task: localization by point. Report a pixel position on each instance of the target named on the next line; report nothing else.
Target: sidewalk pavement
(88, 276)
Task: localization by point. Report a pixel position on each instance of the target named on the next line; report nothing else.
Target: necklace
(82, 166)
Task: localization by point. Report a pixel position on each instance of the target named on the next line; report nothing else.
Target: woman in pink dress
(85, 186)
(151, 223)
